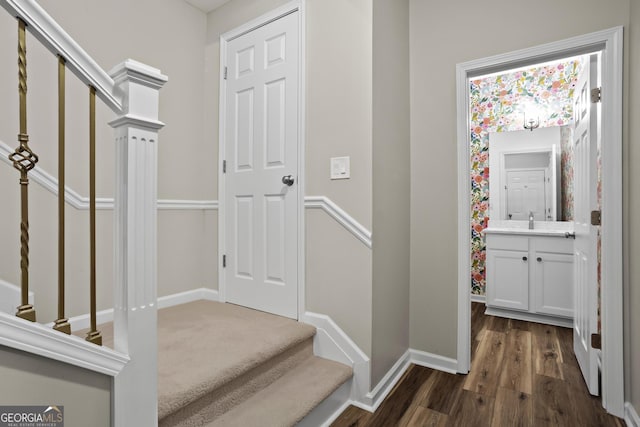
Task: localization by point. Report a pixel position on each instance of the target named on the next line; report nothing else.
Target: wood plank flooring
(522, 374)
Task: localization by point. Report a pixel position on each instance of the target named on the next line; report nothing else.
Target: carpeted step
(237, 366)
(290, 398)
(211, 356)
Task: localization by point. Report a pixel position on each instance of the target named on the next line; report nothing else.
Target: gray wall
(110, 32)
(390, 184)
(434, 200)
(631, 227)
(33, 380)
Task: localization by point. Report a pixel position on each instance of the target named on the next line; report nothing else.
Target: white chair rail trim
(346, 220)
(38, 339)
(50, 183)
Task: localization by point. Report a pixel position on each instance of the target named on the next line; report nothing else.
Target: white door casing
(585, 200)
(260, 147)
(610, 43)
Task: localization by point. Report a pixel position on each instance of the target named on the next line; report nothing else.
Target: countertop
(540, 228)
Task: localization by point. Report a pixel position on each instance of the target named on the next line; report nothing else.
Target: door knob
(288, 180)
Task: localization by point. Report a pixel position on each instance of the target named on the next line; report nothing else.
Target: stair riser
(213, 404)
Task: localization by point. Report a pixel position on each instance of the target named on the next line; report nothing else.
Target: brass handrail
(24, 160)
(93, 335)
(62, 323)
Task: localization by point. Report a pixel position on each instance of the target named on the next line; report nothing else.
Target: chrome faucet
(530, 220)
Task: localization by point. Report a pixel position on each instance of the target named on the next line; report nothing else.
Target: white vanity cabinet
(530, 277)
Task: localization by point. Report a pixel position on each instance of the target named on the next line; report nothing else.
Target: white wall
(441, 37)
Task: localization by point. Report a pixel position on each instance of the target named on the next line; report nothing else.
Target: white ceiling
(207, 5)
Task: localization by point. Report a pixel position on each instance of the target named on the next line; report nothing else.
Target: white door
(585, 187)
(526, 193)
(261, 179)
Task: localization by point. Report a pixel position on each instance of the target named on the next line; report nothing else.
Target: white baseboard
(375, 397)
(330, 409)
(188, 296)
(479, 298)
(331, 342)
(434, 361)
(530, 317)
(631, 416)
(104, 316)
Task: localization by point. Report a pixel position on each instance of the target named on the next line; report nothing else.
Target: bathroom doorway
(520, 76)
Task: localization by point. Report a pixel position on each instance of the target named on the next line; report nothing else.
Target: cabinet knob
(524, 258)
(539, 259)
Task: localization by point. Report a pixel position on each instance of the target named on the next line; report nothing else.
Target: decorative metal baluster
(24, 160)
(62, 324)
(93, 335)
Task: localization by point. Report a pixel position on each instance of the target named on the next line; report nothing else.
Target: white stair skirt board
(333, 343)
(39, 339)
(330, 409)
(10, 297)
(530, 317)
(631, 417)
(104, 316)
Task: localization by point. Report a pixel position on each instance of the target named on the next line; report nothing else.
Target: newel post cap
(138, 84)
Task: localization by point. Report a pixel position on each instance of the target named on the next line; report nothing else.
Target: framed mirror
(526, 174)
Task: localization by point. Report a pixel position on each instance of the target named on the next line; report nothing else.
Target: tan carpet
(204, 344)
(232, 363)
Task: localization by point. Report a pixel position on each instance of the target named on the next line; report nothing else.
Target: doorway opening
(558, 64)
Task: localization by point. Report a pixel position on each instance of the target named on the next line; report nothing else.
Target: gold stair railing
(24, 160)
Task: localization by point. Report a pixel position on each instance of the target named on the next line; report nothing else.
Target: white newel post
(135, 396)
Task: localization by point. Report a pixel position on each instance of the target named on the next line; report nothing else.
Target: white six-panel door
(585, 200)
(260, 149)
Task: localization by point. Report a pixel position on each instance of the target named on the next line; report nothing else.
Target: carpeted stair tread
(290, 398)
(203, 345)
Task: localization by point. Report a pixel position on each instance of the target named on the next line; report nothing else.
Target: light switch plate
(340, 168)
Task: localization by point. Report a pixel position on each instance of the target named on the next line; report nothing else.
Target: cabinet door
(553, 283)
(508, 279)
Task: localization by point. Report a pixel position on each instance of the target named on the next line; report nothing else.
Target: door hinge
(224, 166)
(596, 217)
(596, 95)
(596, 341)
(224, 261)
(225, 72)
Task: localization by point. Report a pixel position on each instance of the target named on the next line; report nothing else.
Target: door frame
(610, 42)
(286, 9)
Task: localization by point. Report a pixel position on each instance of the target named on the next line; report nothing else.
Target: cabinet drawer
(558, 245)
(514, 243)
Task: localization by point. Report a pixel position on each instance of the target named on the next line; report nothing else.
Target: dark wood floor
(522, 374)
